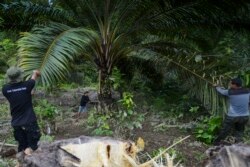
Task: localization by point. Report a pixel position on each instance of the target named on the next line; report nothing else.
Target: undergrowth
(7, 162)
(207, 129)
(117, 122)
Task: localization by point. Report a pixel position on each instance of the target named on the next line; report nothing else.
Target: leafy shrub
(2, 80)
(172, 152)
(7, 44)
(123, 121)
(47, 138)
(45, 110)
(7, 162)
(7, 53)
(100, 122)
(116, 79)
(207, 129)
(46, 114)
(127, 117)
(179, 157)
(66, 86)
(4, 111)
(9, 138)
(156, 152)
(194, 109)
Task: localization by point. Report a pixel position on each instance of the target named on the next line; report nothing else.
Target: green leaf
(51, 54)
(130, 112)
(200, 131)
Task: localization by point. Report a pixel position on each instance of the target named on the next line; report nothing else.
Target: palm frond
(25, 14)
(196, 71)
(200, 86)
(50, 49)
(204, 13)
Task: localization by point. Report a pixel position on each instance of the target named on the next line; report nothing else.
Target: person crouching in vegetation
(238, 111)
(24, 121)
(83, 103)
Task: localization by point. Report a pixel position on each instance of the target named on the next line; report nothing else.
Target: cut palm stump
(86, 152)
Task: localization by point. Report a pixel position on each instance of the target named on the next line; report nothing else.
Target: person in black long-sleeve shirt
(83, 103)
(24, 121)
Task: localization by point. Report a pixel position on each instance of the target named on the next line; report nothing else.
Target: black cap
(237, 82)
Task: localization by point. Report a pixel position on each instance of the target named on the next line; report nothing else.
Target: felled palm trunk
(83, 152)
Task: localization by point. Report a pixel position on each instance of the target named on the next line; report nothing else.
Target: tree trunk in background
(104, 85)
(104, 94)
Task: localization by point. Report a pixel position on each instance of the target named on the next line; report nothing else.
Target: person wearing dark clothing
(24, 121)
(238, 111)
(83, 103)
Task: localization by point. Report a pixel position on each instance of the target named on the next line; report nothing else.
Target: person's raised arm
(222, 90)
(36, 74)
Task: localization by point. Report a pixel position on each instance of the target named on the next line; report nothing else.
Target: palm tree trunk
(104, 96)
(104, 85)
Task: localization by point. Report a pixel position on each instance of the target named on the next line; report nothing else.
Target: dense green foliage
(207, 129)
(7, 53)
(116, 33)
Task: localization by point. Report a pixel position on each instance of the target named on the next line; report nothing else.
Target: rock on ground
(229, 156)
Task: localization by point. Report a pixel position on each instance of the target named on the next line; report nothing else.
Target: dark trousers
(236, 123)
(27, 136)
